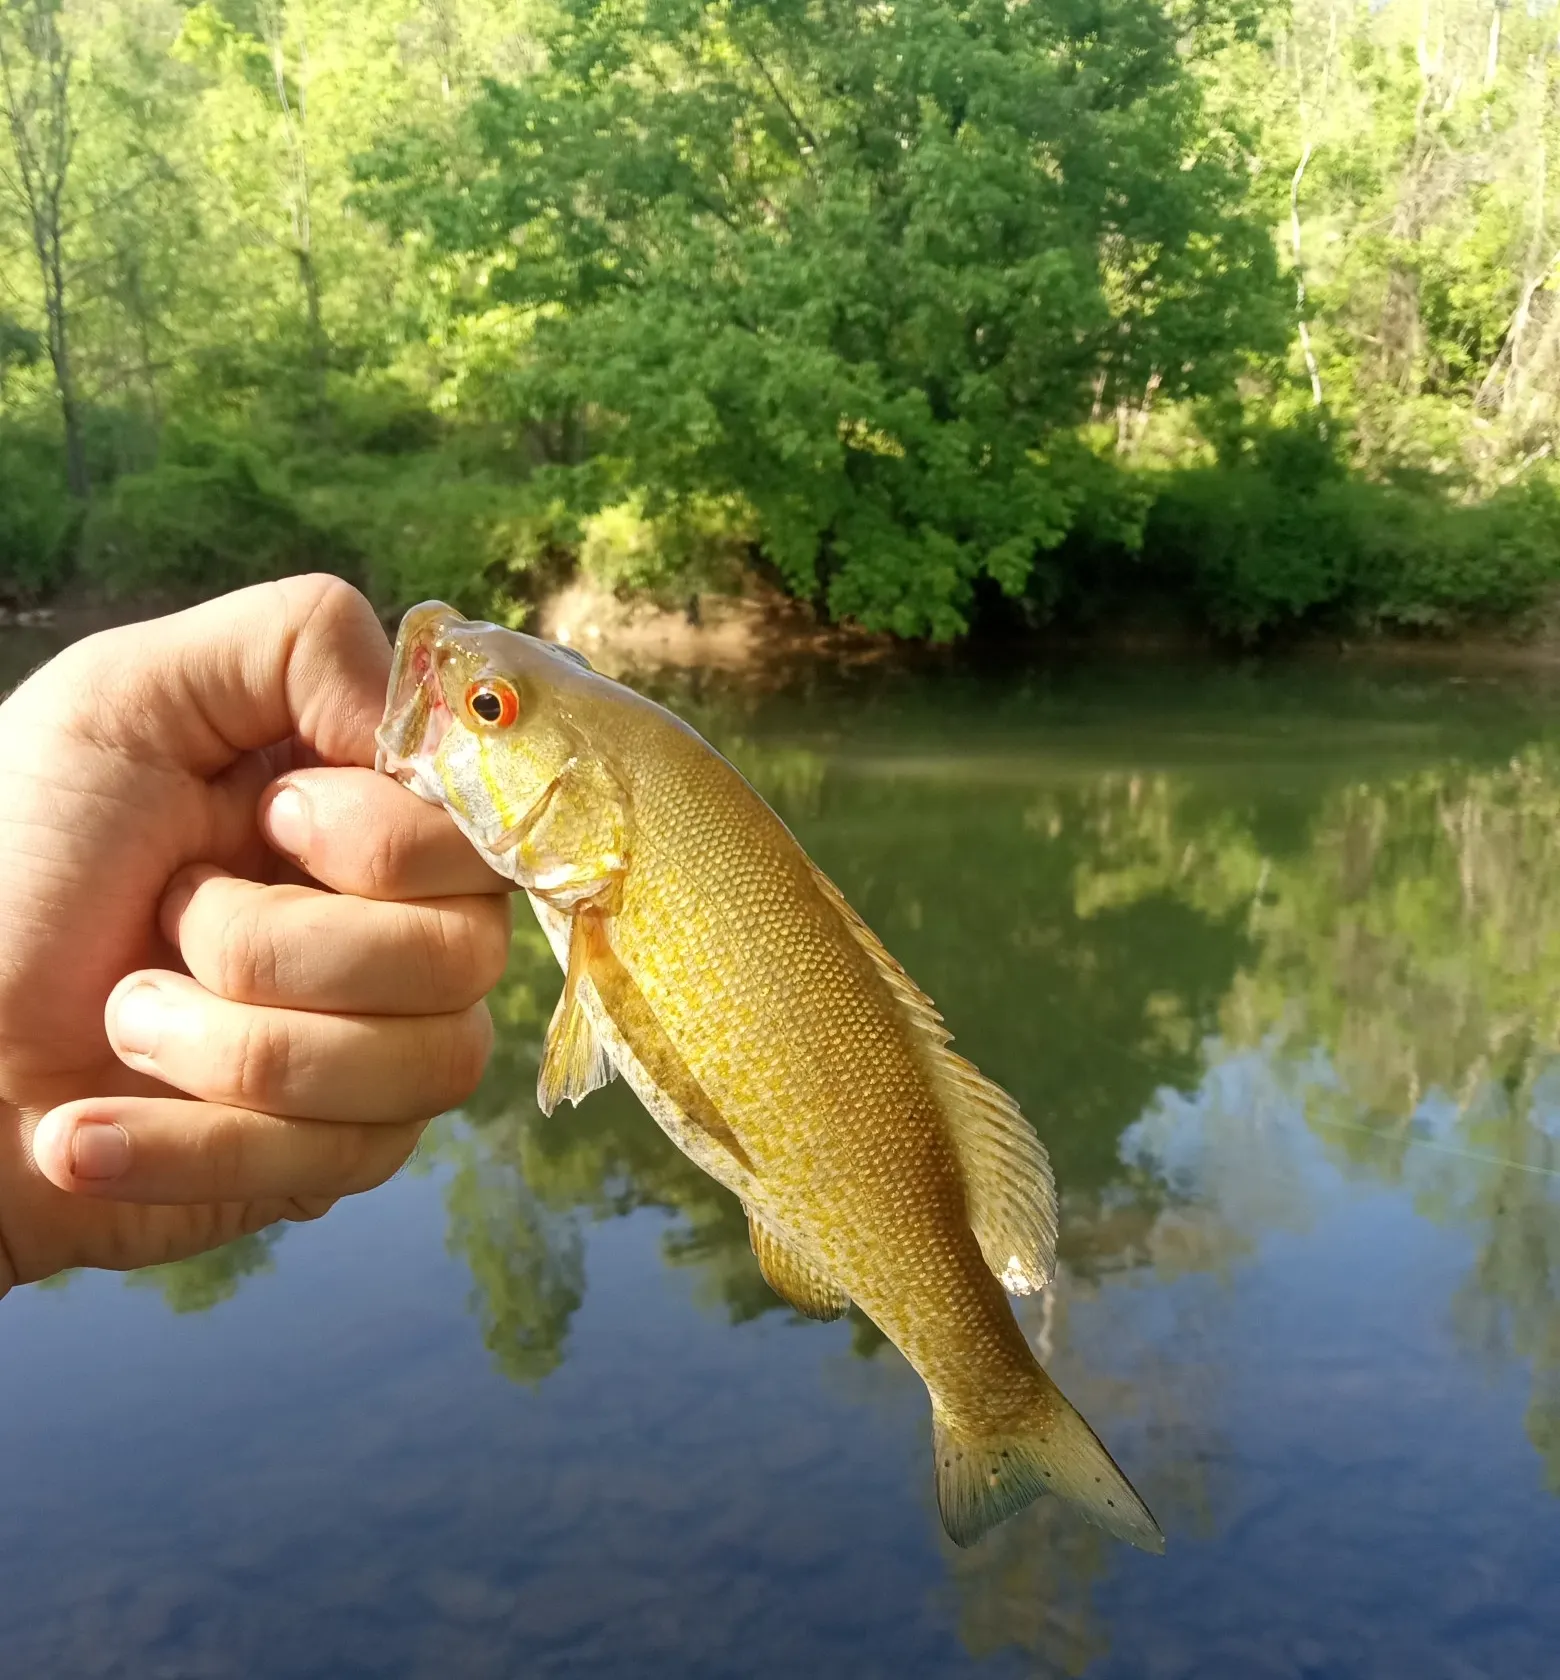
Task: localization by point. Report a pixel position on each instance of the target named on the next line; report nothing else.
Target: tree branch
(809, 139)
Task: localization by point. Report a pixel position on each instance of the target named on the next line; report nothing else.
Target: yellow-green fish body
(768, 1032)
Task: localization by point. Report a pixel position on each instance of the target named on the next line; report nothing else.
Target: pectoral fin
(793, 1274)
(646, 1038)
(574, 1062)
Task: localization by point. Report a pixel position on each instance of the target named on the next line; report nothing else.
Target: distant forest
(1236, 312)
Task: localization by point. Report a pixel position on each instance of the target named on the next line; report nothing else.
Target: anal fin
(793, 1275)
(574, 1061)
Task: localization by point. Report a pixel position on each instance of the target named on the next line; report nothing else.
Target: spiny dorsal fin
(564, 651)
(1012, 1195)
(793, 1275)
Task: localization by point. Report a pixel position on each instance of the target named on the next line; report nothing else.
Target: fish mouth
(416, 714)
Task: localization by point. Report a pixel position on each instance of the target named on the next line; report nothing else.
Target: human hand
(193, 1043)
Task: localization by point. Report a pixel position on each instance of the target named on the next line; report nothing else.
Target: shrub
(421, 526)
(1281, 536)
(37, 518)
(210, 515)
(696, 543)
(1439, 566)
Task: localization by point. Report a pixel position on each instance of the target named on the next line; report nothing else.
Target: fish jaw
(417, 716)
(423, 743)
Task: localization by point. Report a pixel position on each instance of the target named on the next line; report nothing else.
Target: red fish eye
(493, 703)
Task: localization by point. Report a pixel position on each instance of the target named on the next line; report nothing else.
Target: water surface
(1272, 959)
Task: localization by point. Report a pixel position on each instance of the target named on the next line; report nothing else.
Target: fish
(708, 961)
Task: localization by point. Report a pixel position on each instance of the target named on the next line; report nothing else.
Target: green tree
(37, 65)
(865, 269)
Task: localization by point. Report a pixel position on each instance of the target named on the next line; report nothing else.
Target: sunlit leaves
(771, 231)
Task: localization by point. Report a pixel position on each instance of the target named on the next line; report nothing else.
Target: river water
(1272, 960)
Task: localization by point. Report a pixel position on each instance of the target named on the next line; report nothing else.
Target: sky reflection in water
(1274, 964)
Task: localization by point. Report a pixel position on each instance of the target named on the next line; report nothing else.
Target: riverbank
(764, 629)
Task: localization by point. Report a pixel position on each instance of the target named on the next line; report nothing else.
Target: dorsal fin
(1012, 1195)
(564, 651)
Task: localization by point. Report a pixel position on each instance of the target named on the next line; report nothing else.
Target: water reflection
(1214, 983)
(1405, 974)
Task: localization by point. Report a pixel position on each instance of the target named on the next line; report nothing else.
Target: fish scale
(768, 1031)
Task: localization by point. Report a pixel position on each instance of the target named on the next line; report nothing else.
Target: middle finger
(294, 1062)
(297, 948)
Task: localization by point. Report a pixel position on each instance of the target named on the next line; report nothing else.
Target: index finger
(304, 658)
(360, 832)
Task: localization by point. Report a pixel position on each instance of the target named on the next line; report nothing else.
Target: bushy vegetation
(1286, 536)
(1242, 312)
(37, 520)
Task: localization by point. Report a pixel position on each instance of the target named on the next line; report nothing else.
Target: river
(1271, 958)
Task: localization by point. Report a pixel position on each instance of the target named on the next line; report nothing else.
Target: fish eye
(492, 703)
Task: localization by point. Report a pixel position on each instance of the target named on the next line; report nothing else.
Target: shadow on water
(1221, 957)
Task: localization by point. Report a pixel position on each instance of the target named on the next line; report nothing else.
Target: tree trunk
(35, 76)
(295, 117)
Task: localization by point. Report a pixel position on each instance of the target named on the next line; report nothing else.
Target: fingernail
(99, 1150)
(287, 821)
(138, 1020)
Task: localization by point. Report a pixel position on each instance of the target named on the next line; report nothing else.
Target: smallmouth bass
(710, 963)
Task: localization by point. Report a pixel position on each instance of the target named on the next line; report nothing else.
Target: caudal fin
(981, 1480)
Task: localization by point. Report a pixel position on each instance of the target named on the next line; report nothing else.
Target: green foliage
(695, 543)
(1283, 535)
(37, 520)
(858, 269)
(422, 526)
(211, 516)
(920, 308)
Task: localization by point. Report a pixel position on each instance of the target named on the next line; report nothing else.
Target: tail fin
(983, 1480)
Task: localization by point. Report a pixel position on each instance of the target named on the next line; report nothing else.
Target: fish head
(476, 720)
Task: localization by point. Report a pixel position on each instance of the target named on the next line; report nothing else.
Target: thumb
(304, 659)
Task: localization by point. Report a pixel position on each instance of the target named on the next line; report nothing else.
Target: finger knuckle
(248, 963)
(372, 1155)
(322, 602)
(227, 1144)
(471, 947)
(301, 1209)
(469, 1040)
(260, 1062)
(387, 863)
(74, 685)
(490, 928)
